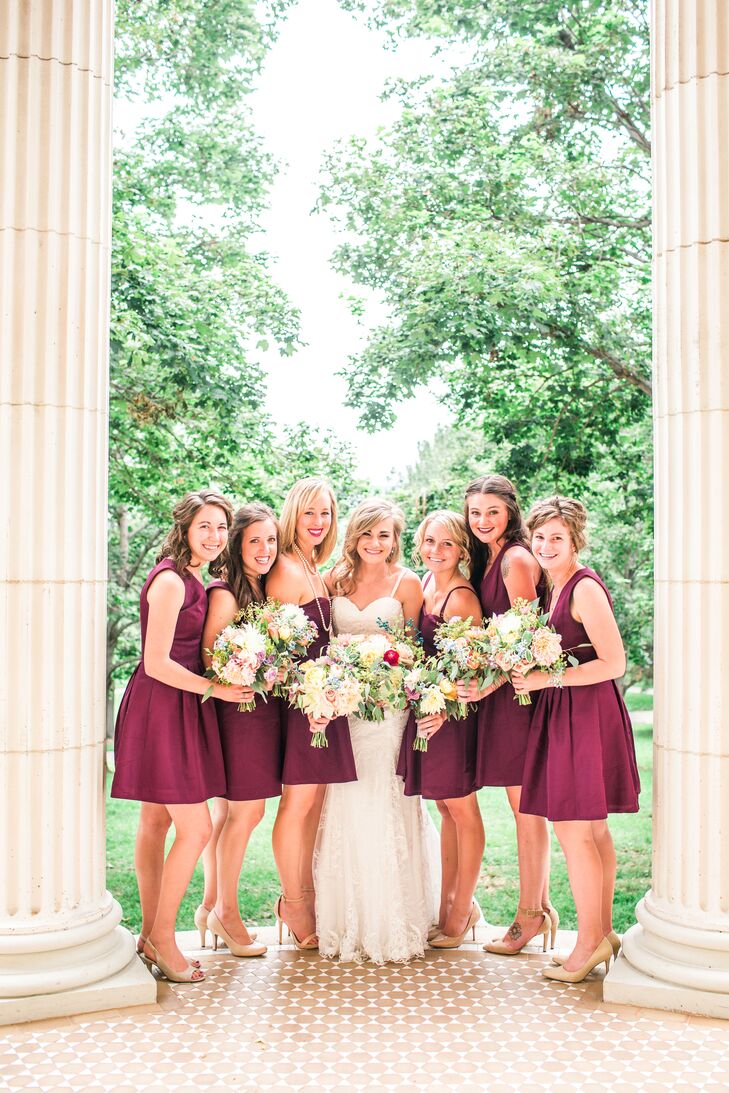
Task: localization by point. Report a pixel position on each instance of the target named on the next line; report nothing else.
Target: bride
(376, 862)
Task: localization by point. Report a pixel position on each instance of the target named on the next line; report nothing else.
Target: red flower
(391, 657)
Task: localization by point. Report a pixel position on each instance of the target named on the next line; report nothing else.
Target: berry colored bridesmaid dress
(580, 762)
(503, 724)
(167, 742)
(252, 744)
(303, 764)
(448, 768)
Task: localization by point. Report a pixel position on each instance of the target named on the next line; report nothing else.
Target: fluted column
(677, 956)
(62, 949)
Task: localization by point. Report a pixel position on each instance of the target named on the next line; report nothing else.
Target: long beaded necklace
(311, 571)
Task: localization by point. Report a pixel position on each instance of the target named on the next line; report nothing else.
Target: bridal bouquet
(378, 662)
(324, 688)
(258, 648)
(429, 692)
(521, 639)
(464, 653)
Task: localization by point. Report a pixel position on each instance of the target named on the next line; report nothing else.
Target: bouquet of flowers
(429, 692)
(288, 631)
(378, 662)
(324, 688)
(464, 653)
(259, 647)
(522, 639)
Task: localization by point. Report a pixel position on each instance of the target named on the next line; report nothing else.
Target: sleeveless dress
(377, 859)
(580, 762)
(503, 725)
(251, 742)
(304, 765)
(167, 743)
(448, 768)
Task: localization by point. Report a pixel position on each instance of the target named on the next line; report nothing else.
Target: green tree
(505, 219)
(193, 300)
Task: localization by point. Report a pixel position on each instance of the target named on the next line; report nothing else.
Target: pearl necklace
(311, 571)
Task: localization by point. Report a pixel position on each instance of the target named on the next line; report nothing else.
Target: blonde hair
(301, 494)
(573, 515)
(366, 516)
(456, 527)
(176, 547)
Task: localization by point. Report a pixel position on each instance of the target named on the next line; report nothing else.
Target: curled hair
(301, 494)
(515, 532)
(456, 527)
(573, 515)
(365, 517)
(240, 584)
(176, 547)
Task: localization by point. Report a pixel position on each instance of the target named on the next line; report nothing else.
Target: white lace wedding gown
(377, 860)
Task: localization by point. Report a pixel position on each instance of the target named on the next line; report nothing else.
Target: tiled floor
(456, 1020)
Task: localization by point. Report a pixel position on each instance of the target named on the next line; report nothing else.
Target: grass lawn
(498, 886)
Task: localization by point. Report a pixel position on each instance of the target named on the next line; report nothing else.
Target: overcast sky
(322, 81)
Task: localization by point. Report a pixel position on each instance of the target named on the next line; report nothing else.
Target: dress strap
(397, 582)
(467, 587)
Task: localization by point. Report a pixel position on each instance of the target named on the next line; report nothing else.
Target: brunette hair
(301, 494)
(366, 516)
(515, 532)
(176, 547)
(235, 574)
(573, 515)
(456, 527)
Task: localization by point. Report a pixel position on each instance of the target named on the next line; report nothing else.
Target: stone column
(677, 956)
(62, 949)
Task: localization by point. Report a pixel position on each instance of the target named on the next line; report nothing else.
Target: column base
(132, 986)
(626, 985)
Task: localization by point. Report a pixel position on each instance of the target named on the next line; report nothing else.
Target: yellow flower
(449, 689)
(314, 676)
(432, 701)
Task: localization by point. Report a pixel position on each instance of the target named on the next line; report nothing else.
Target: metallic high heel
(443, 941)
(603, 954)
(219, 931)
(191, 975)
(501, 948)
(201, 921)
(310, 942)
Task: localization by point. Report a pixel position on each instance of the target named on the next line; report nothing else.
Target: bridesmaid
(580, 762)
(167, 744)
(308, 537)
(445, 773)
(503, 569)
(252, 750)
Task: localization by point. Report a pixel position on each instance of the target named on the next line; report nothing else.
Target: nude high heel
(501, 948)
(219, 931)
(191, 975)
(443, 941)
(309, 942)
(612, 937)
(554, 920)
(616, 941)
(201, 921)
(603, 954)
(140, 952)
